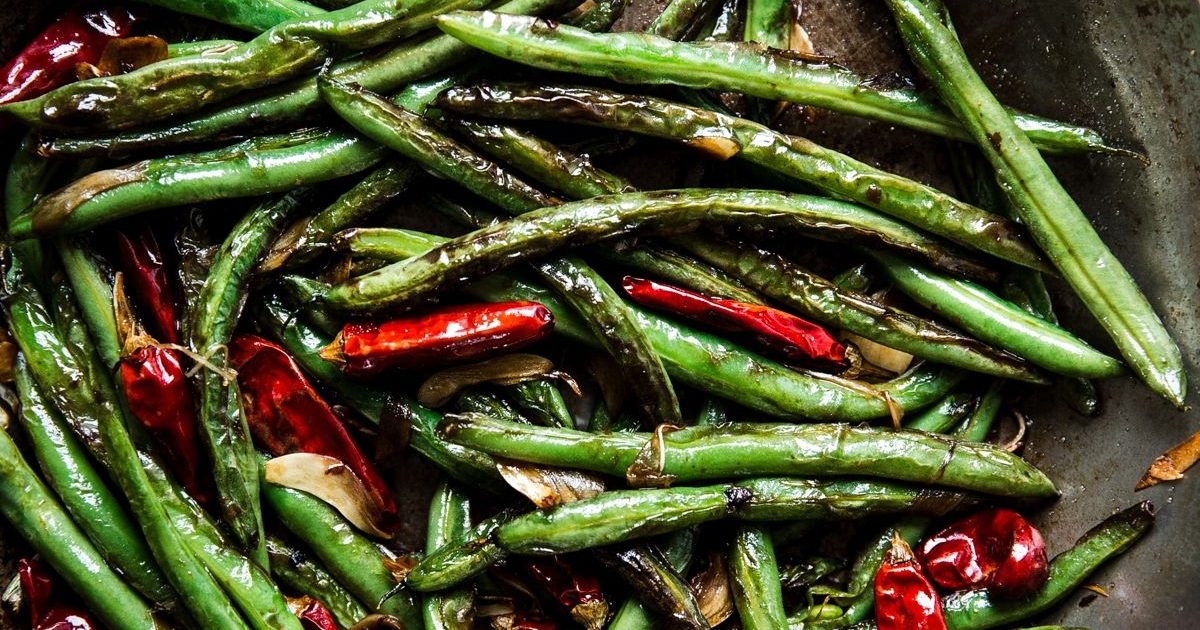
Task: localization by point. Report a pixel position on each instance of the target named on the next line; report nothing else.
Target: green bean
(734, 67)
(555, 228)
(541, 399)
(85, 495)
(856, 279)
(674, 267)
(975, 610)
(179, 86)
(304, 344)
(737, 450)
(633, 614)
(600, 17)
(256, 167)
(997, 321)
(720, 367)
(831, 172)
(769, 23)
(220, 416)
(979, 423)
(204, 47)
(813, 296)
(947, 414)
(404, 63)
(250, 15)
(680, 17)
(655, 583)
(460, 559)
(798, 576)
(305, 240)
(449, 520)
(754, 580)
(1053, 218)
(295, 570)
(39, 519)
(610, 321)
(359, 564)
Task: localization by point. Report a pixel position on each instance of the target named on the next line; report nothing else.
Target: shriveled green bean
(997, 321)
(739, 450)
(815, 297)
(449, 520)
(754, 580)
(182, 85)
(541, 399)
(718, 366)
(251, 15)
(633, 615)
(834, 173)
(65, 464)
(680, 17)
(642, 59)
(655, 583)
(205, 47)
(300, 573)
(1053, 217)
(975, 610)
(459, 559)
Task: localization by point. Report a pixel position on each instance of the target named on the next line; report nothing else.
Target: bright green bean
(460, 559)
(449, 520)
(251, 15)
(754, 580)
(979, 423)
(295, 570)
(947, 414)
(680, 17)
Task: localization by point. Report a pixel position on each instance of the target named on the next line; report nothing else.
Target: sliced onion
(548, 487)
(713, 592)
(510, 369)
(880, 355)
(646, 471)
(328, 479)
(719, 147)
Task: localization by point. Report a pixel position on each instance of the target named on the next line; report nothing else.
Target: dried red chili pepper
(50, 59)
(522, 620)
(286, 415)
(446, 335)
(141, 261)
(904, 597)
(576, 591)
(316, 617)
(44, 612)
(995, 549)
(794, 338)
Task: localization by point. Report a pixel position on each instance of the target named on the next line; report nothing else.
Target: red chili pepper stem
(904, 597)
(795, 338)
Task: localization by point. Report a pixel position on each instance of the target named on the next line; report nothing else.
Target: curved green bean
(815, 297)
(997, 321)
(255, 167)
(551, 229)
(85, 495)
(734, 67)
(449, 520)
(975, 610)
(182, 85)
(220, 416)
(460, 559)
(1053, 217)
(295, 570)
(720, 367)
(742, 450)
(754, 580)
(39, 519)
(608, 318)
(834, 173)
(947, 414)
(359, 564)
(250, 15)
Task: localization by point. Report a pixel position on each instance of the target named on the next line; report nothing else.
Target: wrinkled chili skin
(794, 338)
(141, 261)
(569, 586)
(316, 617)
(995, 549)
(286, 415)
(904, 597)
(45, 614)
(446, 335)
(50, 59)
(160, 397)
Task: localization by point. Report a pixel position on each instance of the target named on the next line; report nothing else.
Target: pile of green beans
(345, 163)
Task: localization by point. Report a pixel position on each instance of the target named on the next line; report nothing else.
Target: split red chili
(50, 59)
(794, 338)
(995, 549)
(287, 415)
(904, 597)
(446, 335)
(141, 260)
(316, 617)
(160, 397)
(576, 591)
(45, 612)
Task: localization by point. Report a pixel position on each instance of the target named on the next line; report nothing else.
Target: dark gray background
(1130, 68)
